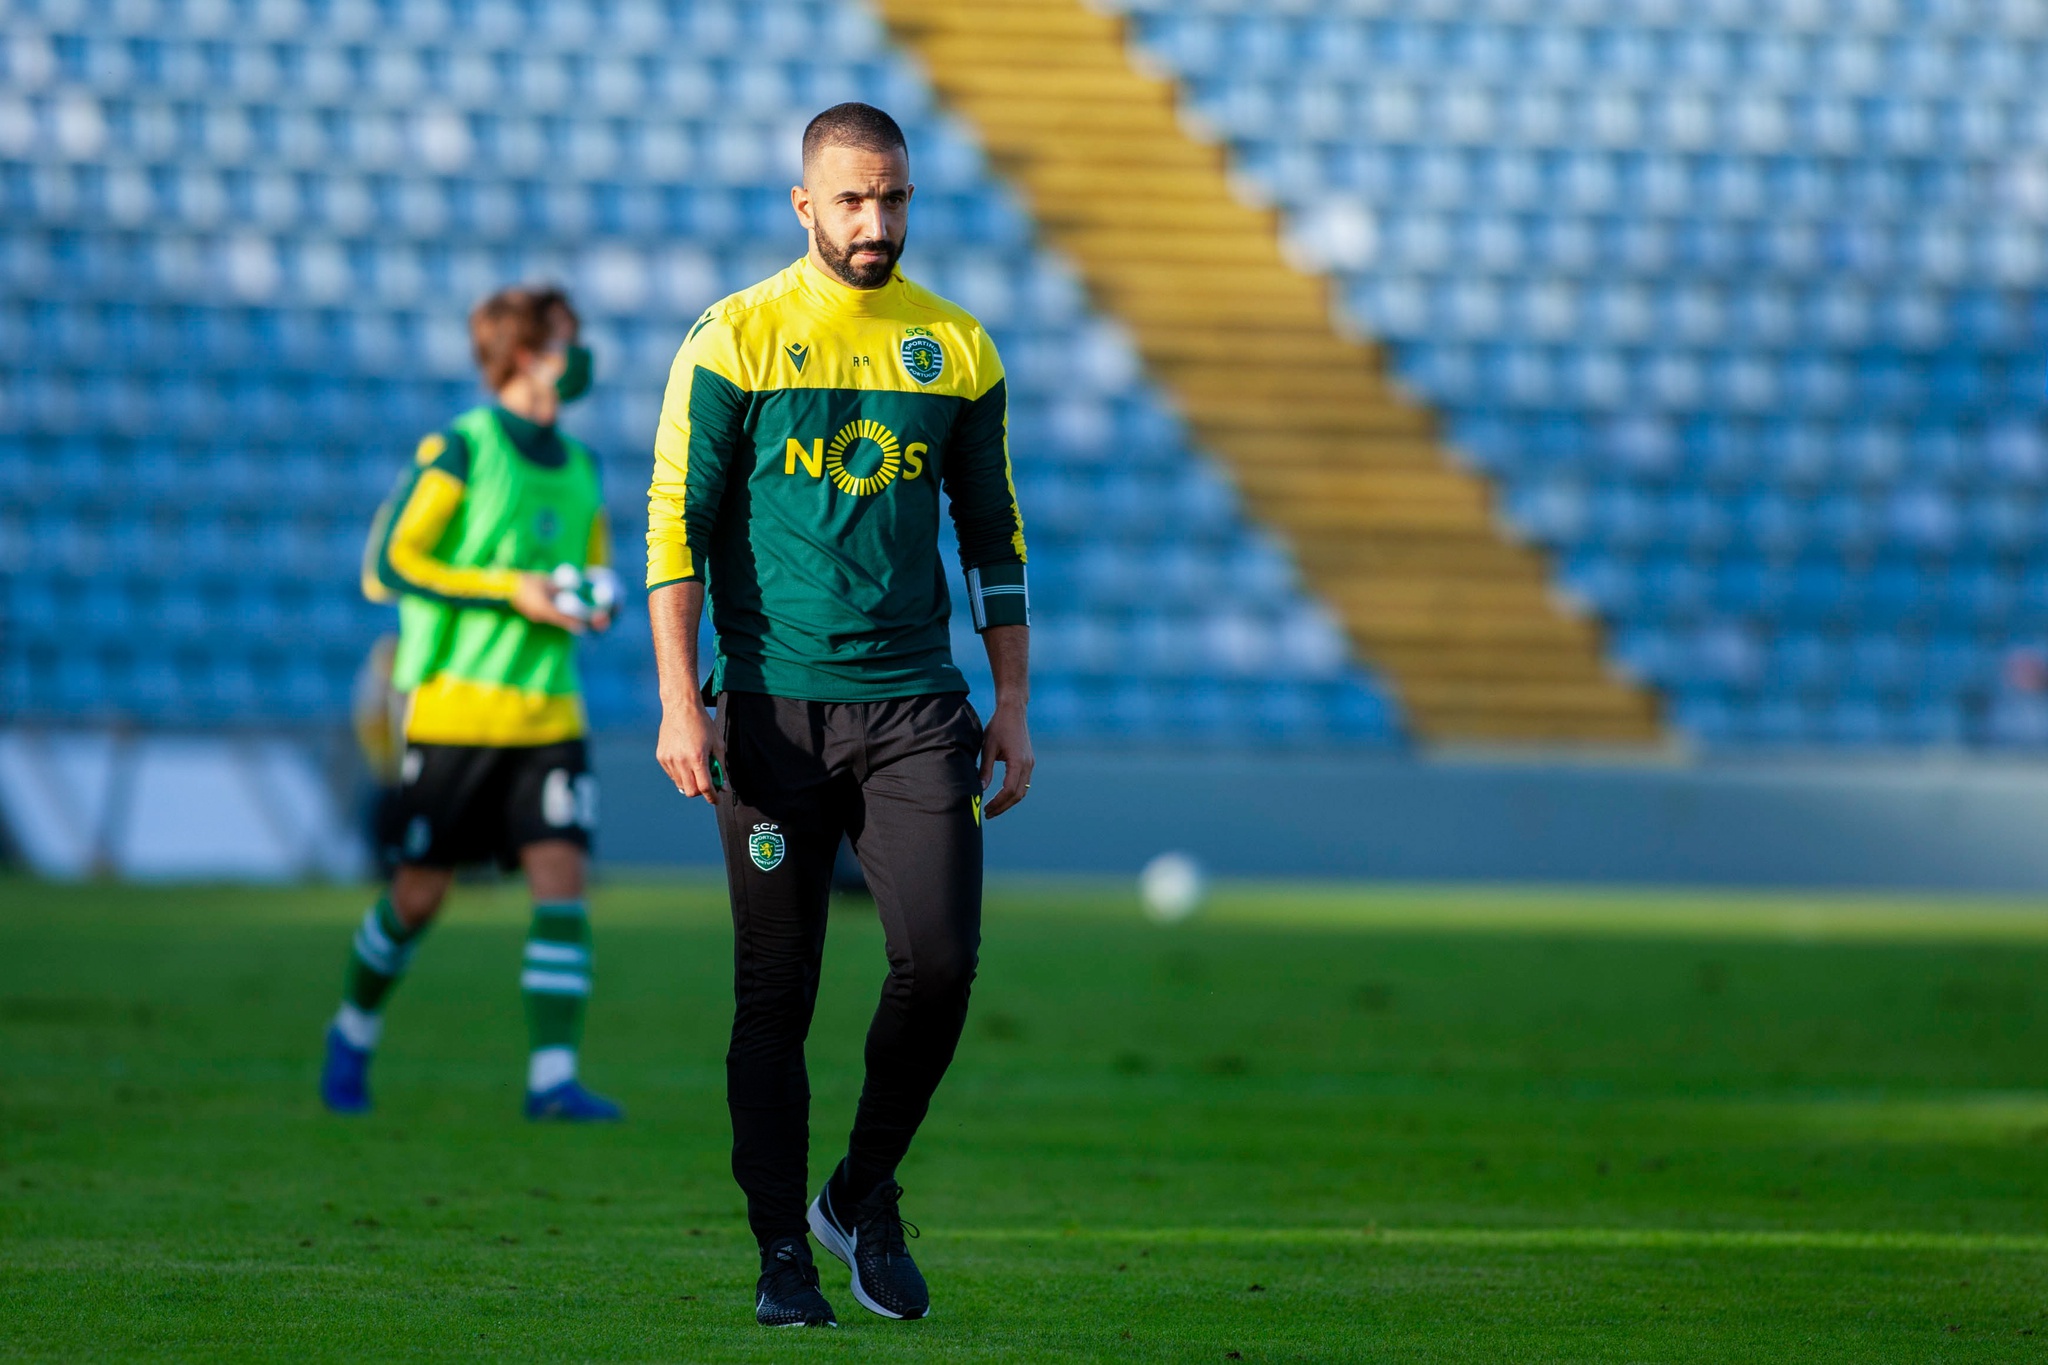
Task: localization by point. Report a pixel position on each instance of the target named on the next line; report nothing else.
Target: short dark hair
(521, 318)
(853, 124)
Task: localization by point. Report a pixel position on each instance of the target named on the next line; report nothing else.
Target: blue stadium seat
(1700, 294)
(1736, 316)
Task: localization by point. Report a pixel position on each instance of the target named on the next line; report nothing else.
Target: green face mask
(576, 371)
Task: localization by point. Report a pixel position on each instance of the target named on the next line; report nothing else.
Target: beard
(838, 258)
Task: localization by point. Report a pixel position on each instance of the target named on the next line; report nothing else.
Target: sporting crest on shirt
(798, 352)
(766, 846)
(923, 358)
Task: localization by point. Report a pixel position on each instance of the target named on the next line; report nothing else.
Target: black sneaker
(869, 1238)
(787, 1293)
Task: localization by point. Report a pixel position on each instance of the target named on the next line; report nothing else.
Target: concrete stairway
(1328, 450)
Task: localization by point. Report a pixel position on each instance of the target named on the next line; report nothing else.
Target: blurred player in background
(496, 549)
(377, 713)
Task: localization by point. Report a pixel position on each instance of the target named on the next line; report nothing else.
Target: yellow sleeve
(668, 543)
(701, 427)
(410, 551)
(374, 587)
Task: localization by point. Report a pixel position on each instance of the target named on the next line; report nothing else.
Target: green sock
(556, 982)
(383, 946)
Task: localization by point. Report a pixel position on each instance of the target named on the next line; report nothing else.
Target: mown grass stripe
(1603, 913)
(1562, 1238)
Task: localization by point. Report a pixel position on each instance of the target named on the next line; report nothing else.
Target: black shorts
(475, 803)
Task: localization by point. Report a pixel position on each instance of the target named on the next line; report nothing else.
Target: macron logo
(798, 353)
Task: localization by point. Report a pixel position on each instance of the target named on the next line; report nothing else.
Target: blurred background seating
(237, 245)
(1742, 307)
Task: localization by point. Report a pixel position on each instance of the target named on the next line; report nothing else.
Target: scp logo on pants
(766, 846)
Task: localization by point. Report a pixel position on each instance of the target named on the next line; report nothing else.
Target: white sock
(359, 1028)
(549, 1067)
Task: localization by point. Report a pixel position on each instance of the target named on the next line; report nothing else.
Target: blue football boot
(345, 1079)
(569, 1102)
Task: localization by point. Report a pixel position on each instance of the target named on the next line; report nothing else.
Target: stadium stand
(1741, 304)
(238, 242)
(1350, 469)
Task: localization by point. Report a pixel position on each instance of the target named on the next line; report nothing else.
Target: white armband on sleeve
(998, 596)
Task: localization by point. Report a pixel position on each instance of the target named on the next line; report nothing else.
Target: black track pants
(899, 779)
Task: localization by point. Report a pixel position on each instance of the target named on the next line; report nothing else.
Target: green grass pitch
(1311, 1125)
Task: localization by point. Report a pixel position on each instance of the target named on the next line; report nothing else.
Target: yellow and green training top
(807, 432)
(488, 499)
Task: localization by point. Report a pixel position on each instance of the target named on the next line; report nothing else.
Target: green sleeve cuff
(998, 595)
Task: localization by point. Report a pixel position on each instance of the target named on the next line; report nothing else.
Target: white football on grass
(1172, 887)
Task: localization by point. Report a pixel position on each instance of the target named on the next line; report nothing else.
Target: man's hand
(534, 599)
(688, 744)
(1006, 740)
(687, 747)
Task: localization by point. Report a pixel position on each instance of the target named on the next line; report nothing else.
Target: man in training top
(497, 551)
(809, 426)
